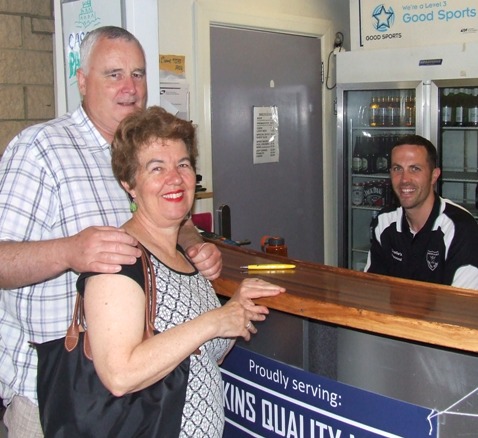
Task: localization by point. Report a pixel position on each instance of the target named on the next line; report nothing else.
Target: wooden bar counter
(411, 341)
(415, 311)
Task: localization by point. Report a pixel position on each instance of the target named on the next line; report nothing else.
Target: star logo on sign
(383, 17)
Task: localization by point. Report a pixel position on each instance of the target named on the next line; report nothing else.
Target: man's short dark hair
(418, 140)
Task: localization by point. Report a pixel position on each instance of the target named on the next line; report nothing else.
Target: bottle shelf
(366, 207)
(371, 175)
(459, 128)
(459, 176)
(411, 129)
(362, 250)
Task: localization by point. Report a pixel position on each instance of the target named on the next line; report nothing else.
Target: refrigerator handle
(426, 109)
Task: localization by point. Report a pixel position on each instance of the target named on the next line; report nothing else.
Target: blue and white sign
(401, 23)
(266, 398)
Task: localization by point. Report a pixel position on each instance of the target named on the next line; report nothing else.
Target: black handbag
(74, 403)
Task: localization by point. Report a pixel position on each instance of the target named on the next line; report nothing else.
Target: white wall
(183, 30)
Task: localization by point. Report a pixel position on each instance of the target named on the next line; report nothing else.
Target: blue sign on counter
(266, 398)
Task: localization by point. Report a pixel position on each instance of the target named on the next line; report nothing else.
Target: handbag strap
(149, 291)
(78, 321)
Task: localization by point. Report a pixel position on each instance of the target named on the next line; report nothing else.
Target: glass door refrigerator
(457, 142)
(433, 92)
(382, 95)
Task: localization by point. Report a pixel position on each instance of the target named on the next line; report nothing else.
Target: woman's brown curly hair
(138, 130)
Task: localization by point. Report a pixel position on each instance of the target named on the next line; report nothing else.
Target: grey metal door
(254, 68)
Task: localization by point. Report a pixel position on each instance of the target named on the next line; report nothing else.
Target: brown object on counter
(411, 310)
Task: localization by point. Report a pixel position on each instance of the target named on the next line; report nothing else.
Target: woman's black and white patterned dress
(180, 298)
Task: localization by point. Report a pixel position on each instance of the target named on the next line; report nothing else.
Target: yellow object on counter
(268, 266)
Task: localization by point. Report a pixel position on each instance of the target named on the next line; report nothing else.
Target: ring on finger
(248, 325)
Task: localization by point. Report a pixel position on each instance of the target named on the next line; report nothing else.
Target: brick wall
(26, 65)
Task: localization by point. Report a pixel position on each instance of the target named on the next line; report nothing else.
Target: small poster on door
(266, 134)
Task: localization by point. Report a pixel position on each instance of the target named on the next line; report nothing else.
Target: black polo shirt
(448, 242)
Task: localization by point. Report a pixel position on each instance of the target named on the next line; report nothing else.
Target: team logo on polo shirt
(432, 259)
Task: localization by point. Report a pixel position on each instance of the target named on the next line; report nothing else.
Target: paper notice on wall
(172, 67)
(266, 134)
(175, 98)
(174, 89)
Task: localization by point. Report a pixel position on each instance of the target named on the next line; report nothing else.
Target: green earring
(133, 207)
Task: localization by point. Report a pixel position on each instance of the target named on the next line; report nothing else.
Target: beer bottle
(396, 105)
(401, 102)
(381, 163)
(372, 155)
(357, 193)
(446, 108)
(393, 117)
(357, 156)
(460, 108)
(382, 112)
(473, 109)
(373, 112)
(366, 165)
(409, 114)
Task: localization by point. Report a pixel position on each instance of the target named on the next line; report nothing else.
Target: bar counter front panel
(412, 341)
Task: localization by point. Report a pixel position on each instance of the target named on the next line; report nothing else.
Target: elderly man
(59, 208)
